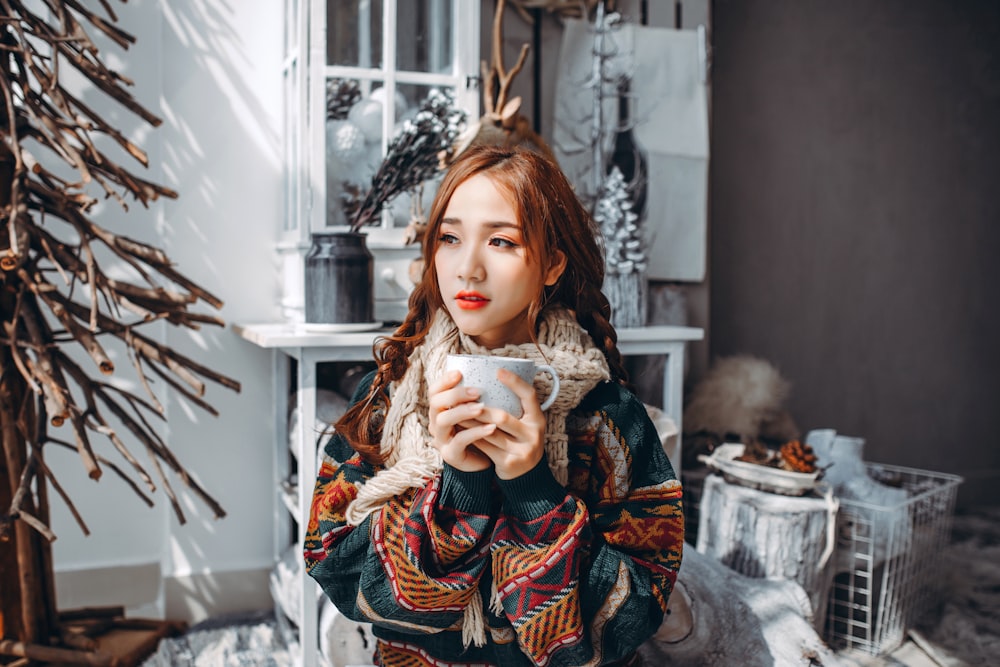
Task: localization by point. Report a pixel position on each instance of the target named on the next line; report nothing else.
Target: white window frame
(293, 238)
(306, 74)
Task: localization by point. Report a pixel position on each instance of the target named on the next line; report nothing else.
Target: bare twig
(50, 476)
(113, 467)
(45, 230)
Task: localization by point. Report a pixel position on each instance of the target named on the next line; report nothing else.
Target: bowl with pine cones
(791, 470)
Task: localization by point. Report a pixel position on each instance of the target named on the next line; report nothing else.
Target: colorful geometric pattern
(403, 654)
(411, 557)
(582, 574)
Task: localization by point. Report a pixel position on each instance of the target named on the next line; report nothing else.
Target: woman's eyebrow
(498, 224)
(492, 224)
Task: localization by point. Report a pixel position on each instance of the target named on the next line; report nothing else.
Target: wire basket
(886, 554)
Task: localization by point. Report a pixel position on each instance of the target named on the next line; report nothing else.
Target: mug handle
(555, 385)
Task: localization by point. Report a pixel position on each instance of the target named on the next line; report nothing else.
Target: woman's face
(486, 281)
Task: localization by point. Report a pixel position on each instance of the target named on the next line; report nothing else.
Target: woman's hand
(517, 445)
(453, 424)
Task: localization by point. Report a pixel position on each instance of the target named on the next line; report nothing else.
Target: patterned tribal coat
(583, 572)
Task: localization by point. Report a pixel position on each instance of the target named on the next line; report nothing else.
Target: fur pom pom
(740, 395)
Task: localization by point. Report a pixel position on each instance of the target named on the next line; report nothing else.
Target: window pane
(424, 36)
(354, 33)
(411, 96)
(353, 143)
(293, 164)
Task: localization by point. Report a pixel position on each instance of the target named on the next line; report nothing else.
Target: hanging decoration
(620, 173)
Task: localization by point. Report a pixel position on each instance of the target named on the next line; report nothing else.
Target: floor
(913, 653)
(962, 631)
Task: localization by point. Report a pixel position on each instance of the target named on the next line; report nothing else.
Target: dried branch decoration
(57, 294)
(415, 154)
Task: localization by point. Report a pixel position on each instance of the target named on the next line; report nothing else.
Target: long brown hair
(551, 218)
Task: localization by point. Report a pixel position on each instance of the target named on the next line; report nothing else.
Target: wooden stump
(761, 534)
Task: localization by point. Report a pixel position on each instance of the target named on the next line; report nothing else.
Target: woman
(467, 536)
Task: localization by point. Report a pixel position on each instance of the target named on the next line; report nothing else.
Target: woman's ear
(557, 264)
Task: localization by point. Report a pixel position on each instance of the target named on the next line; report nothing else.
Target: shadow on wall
(197, 597)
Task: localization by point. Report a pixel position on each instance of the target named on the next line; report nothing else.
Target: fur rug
(245, 640)
(966, 624)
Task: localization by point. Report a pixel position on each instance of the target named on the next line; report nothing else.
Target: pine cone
(756, 452)
(341, 95)
(797, 457)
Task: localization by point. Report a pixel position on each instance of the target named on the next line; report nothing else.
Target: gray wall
(855, 215)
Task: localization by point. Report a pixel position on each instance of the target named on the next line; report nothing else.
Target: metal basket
(885, 557)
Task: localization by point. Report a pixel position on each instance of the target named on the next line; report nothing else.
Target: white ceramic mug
(480, 371)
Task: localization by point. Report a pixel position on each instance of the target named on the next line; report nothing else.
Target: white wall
(211, 71)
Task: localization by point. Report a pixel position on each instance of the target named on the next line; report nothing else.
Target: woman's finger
(446, 381)
(445, 393)
(506, 422)
(524, 391)
(467, 436)
(443, 424)
(510, 459)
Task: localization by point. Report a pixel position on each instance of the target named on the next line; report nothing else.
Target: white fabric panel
(671, 112)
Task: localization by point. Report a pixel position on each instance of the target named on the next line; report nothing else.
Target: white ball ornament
(345, 140)
(379, 95)
(367, 116)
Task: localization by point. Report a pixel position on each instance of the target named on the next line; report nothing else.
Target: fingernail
(472, 392)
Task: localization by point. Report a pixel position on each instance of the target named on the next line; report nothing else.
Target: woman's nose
(471, 266)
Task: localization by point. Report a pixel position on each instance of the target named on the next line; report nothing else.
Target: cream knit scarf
(406, 441)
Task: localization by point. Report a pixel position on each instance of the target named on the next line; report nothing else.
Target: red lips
(470, 300)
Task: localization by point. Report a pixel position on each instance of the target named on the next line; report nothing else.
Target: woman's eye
(447, 238)
(502, 242)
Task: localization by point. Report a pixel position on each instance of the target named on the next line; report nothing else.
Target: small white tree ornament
(625, 282)
(619, 176)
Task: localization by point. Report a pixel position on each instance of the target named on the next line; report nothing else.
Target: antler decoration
(56, 292)
(495, 102)
(502, 123)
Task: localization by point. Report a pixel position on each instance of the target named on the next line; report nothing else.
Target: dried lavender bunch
(341, 95)
(414, 155)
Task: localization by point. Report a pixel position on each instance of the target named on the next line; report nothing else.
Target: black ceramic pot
(339, 281)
